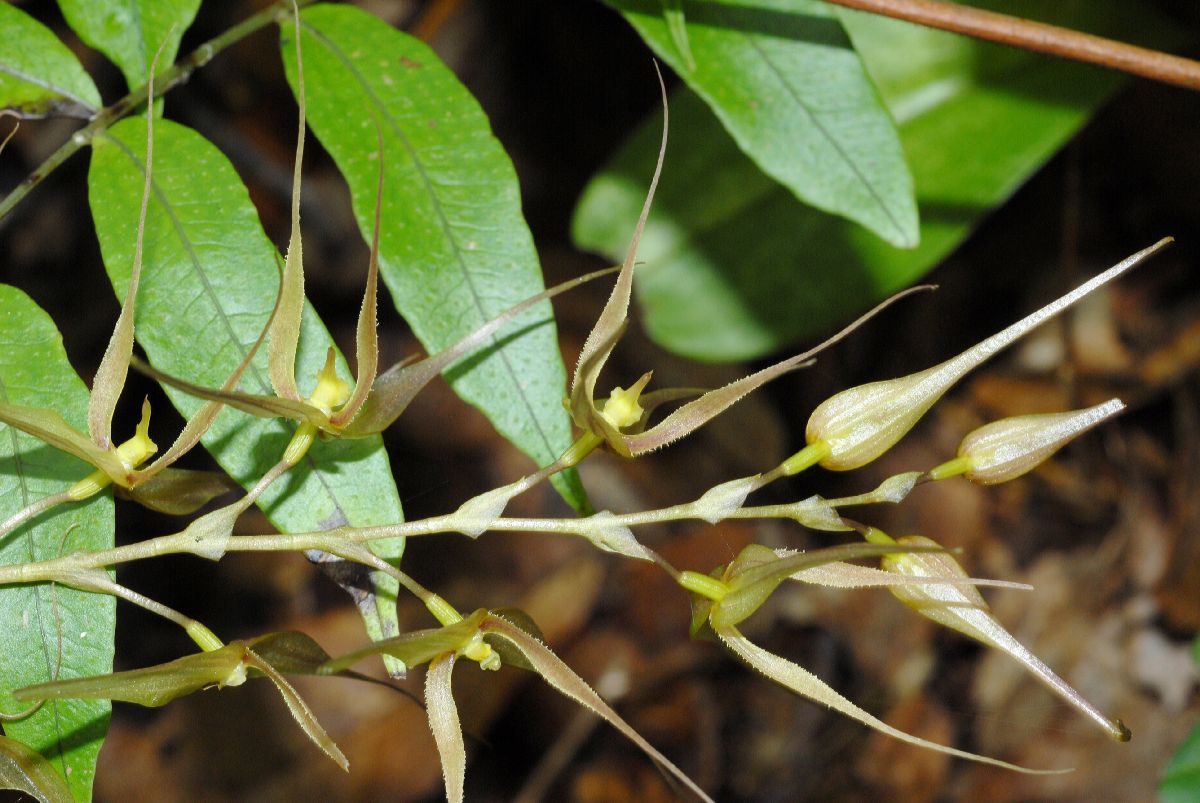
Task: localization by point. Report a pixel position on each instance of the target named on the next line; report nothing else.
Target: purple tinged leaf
(443, 721)
(563, 678)
(23, 769)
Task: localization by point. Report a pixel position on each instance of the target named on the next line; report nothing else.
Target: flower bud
(1008, 448)
(860, 424)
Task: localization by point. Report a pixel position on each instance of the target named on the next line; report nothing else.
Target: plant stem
(1037, 36)
(178, 74)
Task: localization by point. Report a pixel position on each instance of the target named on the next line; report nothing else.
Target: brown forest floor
(1107, 532)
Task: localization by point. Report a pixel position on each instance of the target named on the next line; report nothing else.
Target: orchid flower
(334, 409)
(962, 608)
(156, 486)
(620, 420)
(488, 638)
(268, 656)
(727, 597)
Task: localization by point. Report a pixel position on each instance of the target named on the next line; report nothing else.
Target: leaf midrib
(827, 136)
(444, 224)
(20, 75)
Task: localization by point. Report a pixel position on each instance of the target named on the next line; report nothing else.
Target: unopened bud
(860, 424)
(1008, 448)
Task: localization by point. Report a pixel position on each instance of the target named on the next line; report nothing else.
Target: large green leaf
(784, 80)
(209, 281)
(129, 32)
(454, 249)
(38, 74)
(736, 268)
(38, 623)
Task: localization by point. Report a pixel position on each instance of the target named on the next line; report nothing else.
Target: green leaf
(736, 268)
(36, 621)
(208, 286)
(129, 32)
(786, 83)
(455, 250)
(1181, 778)
(24, 770)
(39, 76)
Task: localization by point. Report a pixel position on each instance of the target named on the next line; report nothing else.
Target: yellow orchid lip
(331, 390)
(622, 408)
(135, 451)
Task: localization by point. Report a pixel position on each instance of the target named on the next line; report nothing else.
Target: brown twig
(434, 17)
(1037, 36)
(176, 75)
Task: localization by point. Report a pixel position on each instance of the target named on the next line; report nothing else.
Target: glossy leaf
(736, 268)
(39, 623)
(130, 31)
(209, 284)
(788, 86)
(39, 75)
(25, 770)
(455, 250)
